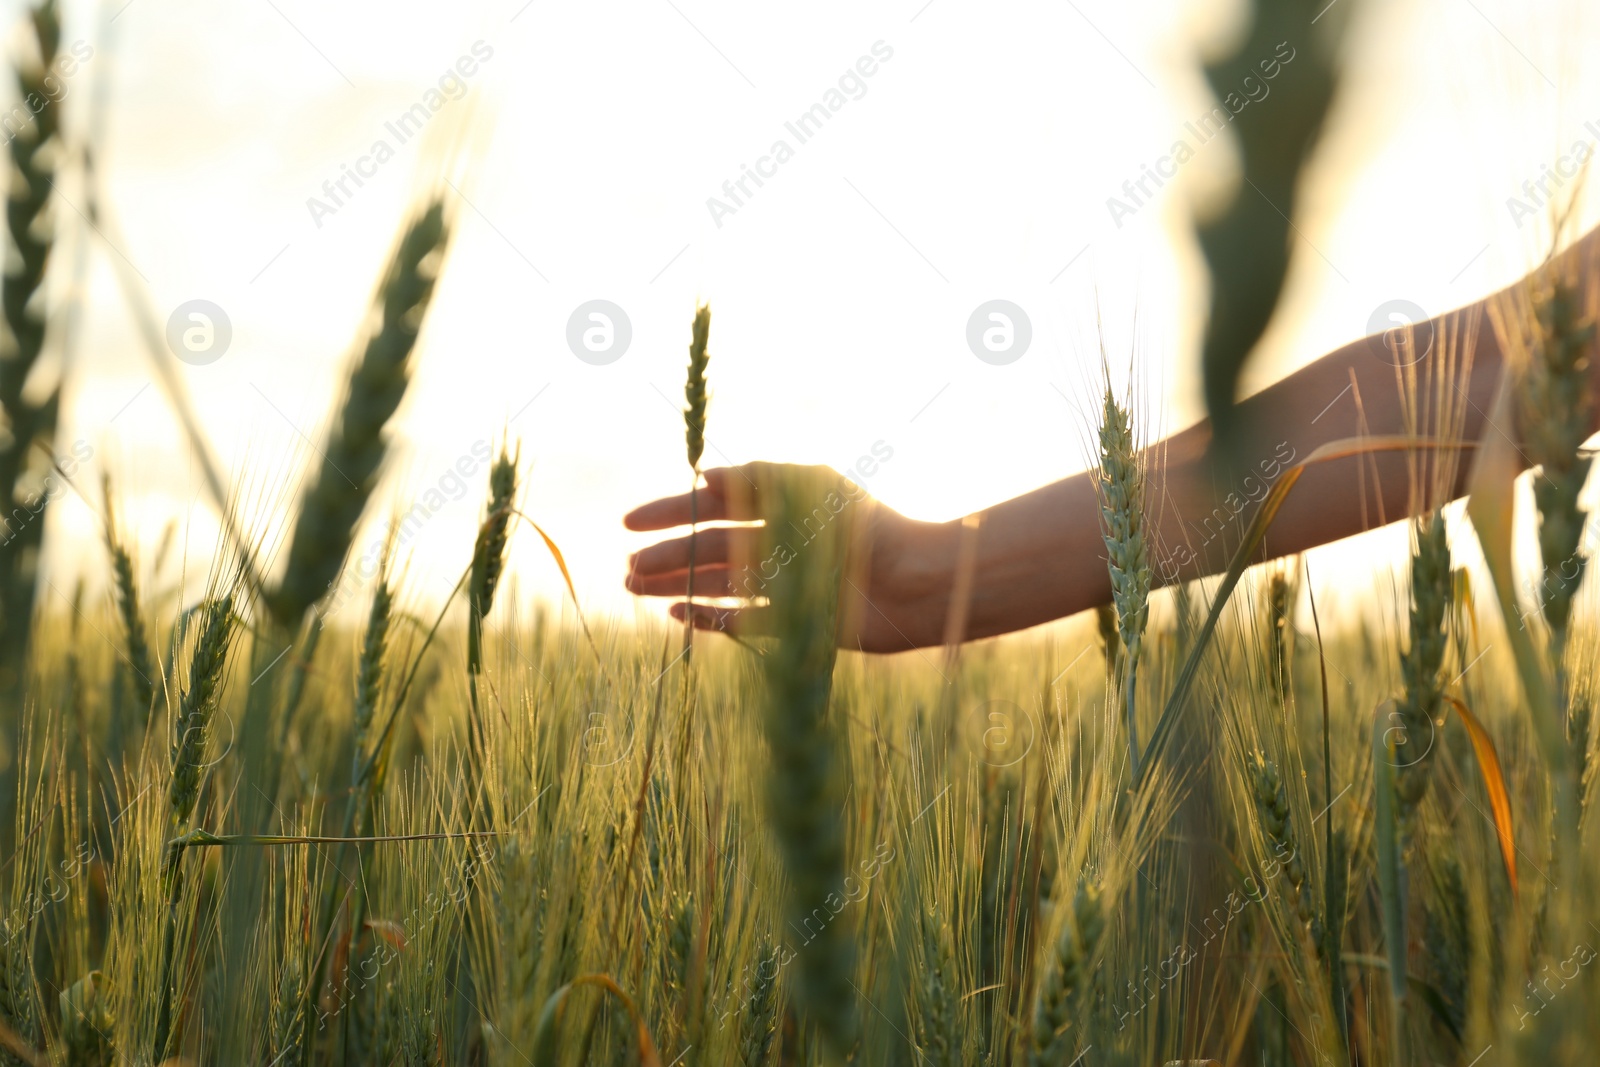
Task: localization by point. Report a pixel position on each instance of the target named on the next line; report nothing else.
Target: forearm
(1040, 556)
(1350, 393)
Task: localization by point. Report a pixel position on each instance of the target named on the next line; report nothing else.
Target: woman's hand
(894, 597)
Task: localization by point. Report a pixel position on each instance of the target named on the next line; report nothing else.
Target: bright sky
(973, 164)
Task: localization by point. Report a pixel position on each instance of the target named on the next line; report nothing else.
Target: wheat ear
(694, 390)
(488, 562)
(1431, 590)
(694, 421)
(195, 709)
(1122, 520)
(28, 220)
(369, 669)
(938, 1015)
(338, 493)
(1068, 976)
(191, 728)
(125, 591)
(1280, 635)
(1271, 801)
(759, 1026)
(807, 785)
(1557, 406)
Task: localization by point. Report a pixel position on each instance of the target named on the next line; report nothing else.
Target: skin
(1040, 556)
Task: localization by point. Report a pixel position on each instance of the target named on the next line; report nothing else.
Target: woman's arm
(1196, 514)
(1040, 556)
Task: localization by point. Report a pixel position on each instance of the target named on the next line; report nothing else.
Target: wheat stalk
(694, 421)
(694, 389)
(338, 493)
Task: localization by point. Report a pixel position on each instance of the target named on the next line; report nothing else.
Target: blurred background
(975, 163)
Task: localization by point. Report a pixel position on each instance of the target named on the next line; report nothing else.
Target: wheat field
(1210, 825)
(472, 833)
(610, 863)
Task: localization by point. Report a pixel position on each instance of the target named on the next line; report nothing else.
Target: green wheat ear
(125, 591)
(758, 1024)
(694, 390)
(339, 491)
(1431, 587)
(1068, 976)
(191, 731)
(1280, 635)
(694, 420)
(937, 1022)
(369, 669)
(1121, 485)
(1557, 403)
(197, 706)
(489, 551)
(34, 151)
(1277, 824)
(488, 562)
(86, 1020)
(808, 785)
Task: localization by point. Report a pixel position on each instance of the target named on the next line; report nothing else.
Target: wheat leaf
(1491, 506)
(1495, 782)
(566, 575)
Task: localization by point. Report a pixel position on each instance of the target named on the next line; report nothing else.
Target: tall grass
(825, 878)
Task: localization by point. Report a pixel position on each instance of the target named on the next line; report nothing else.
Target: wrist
(913, 575)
